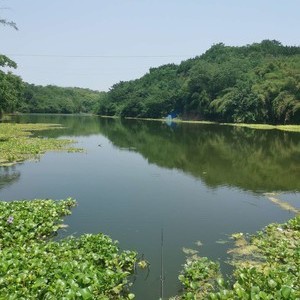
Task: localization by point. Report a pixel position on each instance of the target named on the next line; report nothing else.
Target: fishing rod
(162, 265)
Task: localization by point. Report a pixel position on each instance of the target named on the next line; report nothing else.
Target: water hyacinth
(266, 267)
(18, 144)
(34, 266)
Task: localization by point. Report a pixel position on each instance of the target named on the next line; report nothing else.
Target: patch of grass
(32, 266)
(17, 143)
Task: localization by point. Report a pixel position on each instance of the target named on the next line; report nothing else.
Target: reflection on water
(255, 160)
(74, 125)
(197, 182)
(8, 176)
(249, 159)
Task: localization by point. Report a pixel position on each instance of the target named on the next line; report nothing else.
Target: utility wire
(99, 56)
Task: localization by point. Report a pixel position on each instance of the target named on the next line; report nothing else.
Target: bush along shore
(17, 143)
(34, 266)
(267, 266)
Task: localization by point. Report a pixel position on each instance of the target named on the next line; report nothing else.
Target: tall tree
(11, 86)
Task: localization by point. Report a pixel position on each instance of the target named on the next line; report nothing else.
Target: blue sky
(96, 43)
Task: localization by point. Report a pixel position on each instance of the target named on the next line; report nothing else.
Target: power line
(98, 56)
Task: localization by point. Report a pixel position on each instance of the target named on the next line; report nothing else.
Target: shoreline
(282, 127)
(289, 128)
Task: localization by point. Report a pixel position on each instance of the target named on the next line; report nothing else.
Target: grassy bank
(32, 266)
(17, 143)
(267, 266)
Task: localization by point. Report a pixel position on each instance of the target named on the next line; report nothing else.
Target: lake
(196, 182)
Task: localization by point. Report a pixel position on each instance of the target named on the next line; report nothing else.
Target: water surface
(197, 182)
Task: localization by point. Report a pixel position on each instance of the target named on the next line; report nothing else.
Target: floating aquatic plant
(267, 266)
(199, 243)
(17, 143)
(33, 266)
(282, 204)
(189, 251)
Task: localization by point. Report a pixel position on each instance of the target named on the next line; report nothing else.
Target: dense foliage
(34, 267)
(257, 83)
(17, 144)
(11, 86)
(267, 267)
(54, 99)
(15, 95)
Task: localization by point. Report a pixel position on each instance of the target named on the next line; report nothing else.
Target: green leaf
(86, 294)
(272, 283)
(131, 296)
(286, 292)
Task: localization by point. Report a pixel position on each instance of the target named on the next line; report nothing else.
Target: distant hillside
(54, 99)
(257, 83)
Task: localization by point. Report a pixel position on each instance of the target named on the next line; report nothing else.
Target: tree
(9, 23)
(11, 86)
(54, 99)
(252, 83)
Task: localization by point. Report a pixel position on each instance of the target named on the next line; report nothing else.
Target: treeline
(54, 99)
(19, 96)
(257, 83)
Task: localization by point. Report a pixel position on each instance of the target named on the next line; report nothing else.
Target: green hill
(54, 99)
(257, 83)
